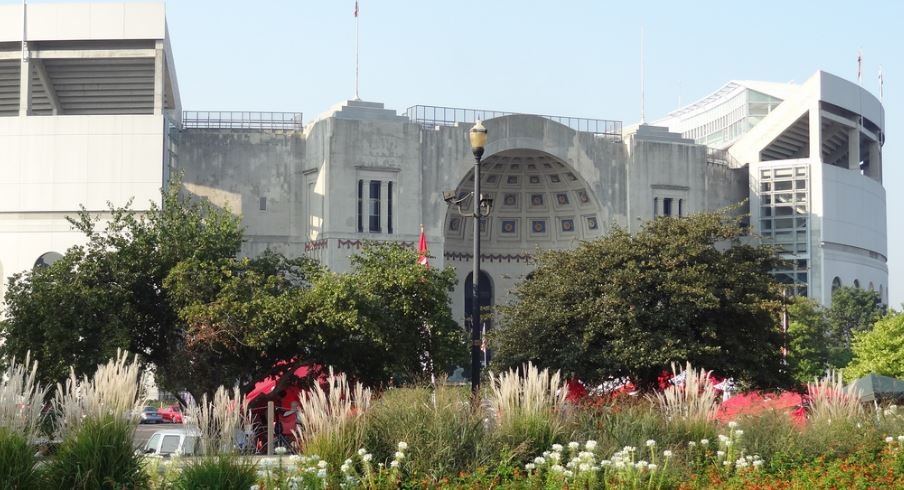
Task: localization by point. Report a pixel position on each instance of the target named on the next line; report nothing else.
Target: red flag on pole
(422, 250)
(356, 8)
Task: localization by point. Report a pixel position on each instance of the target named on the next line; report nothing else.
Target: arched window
(871, 287)
(836, 283)
(47, 259)
(484, 291)
(857, 283)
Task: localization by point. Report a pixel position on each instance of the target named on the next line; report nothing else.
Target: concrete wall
(79, 22)
(254, 175)
(850, 210)
(52, 165)
(59, 163)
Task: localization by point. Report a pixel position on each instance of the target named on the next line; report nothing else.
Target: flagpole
(356, 51)
(24, 31)
(881, 84)
(643, 101)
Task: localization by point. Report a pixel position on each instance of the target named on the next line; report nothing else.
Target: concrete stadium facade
(100, 120)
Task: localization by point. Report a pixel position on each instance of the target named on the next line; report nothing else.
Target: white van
(168, 442)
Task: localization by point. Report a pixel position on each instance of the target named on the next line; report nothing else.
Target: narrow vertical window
(360, 206)
(263, 204)
(389, 207)
(667, 206)
(374, 206)
(680, 208)
(655, 207)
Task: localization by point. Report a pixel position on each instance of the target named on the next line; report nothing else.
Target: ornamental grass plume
(694, 400)
(527, 410)
(331, 421)
(326, 411)
(535, 393)
(21, 399)
(831, 400)
(115, 390)
(219, 420)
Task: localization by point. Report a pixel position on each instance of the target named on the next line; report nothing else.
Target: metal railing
(284, 121)
(432, 116)
(719, 157)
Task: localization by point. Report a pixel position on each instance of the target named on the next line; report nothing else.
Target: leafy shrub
(97, 455)
(770, 434)
(444, 434)
(17, 461)
(220, 472)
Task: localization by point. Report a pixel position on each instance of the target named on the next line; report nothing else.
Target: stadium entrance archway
(539, 202)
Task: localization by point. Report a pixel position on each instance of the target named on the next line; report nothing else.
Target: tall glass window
(784, 215)
(360, 206)
(667, 206)
(389, 207)
(374, 206)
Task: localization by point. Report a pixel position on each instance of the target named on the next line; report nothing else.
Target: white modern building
(814, 158)
(90, 113)
(85, 103)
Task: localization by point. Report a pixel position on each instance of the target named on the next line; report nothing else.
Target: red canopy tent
(268, 384)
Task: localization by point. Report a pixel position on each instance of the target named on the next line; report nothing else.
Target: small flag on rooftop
(356, 8)
(422, 250)
(860, 66)
(881, 84)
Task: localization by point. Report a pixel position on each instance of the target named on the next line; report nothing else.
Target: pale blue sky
(574, 58)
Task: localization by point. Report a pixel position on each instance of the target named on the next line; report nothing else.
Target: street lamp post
(482, 207)
(478, 137)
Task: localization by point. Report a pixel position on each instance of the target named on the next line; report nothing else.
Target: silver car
(149, 415)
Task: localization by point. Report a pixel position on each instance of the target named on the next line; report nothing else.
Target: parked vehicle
(173, 441)
(149, 415)
(171, 413)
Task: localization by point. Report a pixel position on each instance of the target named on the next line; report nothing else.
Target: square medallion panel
(509, 228)
(537, 200)
(455, 226)
(511, 200)
(566, 227)
(539, 227)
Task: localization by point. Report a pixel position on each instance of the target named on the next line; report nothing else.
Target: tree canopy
(679, 289)
(374, 323)
(109, 293)
(167, 285)
(880, 350)
(809, 340)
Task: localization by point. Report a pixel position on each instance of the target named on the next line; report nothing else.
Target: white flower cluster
(581, 466)
(891, 441)
(745, 462)
(363, 469)
(399, 456)
(577, 464)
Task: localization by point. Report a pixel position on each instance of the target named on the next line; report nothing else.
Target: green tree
(809, 339)
(271, 314)
(880, 350)
(679, 289)
(109, 293)
(853, 310)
